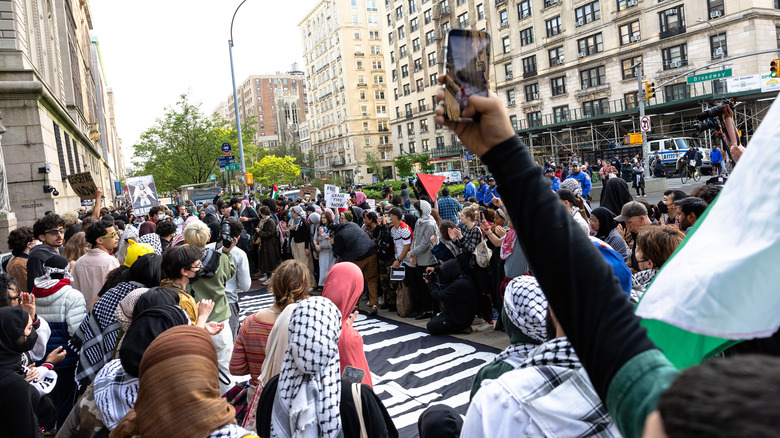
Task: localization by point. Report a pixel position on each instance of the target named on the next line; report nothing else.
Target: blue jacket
(469, 190)
(583, 180)
(716, 156)
(556, 183)
(482, 192)
(491, 193)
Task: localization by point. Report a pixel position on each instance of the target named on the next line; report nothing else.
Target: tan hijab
(179, 388)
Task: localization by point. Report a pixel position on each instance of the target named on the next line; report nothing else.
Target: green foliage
(373, 194)
(375, 167)
(455, 189)
(378, 186)
(423, 160)
(182, 147)
(274, 170)
(403, 165)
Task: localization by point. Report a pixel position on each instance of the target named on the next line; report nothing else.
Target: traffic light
(773, 66)
(649, 90)
(249, 179)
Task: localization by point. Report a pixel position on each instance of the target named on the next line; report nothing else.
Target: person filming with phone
(455, 290)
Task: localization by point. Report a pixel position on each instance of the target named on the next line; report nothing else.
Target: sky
(154, 51)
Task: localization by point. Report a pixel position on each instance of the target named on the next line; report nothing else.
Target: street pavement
(655, 197)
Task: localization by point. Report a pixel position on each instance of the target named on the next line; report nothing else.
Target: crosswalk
(410, 369)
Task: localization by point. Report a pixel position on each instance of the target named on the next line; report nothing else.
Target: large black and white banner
(143, 193)
(411, 369)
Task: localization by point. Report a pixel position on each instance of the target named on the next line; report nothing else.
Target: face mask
(198, 275)
(28, 343)
(160, 217)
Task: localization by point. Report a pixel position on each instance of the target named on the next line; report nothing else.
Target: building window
(590, 45)
(676, 56)
(432, 79)
(365, 126)
(390, 38)
(401, 32)
(425, 144)
(523, 9)
(408, 109)
(427, 16)
(463, 20)
(556, 56)
(510, 97)
(421, 105)
(429, 37)
(629, 33)
(362, 95)
(676, 92)
(400, 131)
(414, 25)
(715, 8)
(628, 71)
(531, 92)
(587, 13)
(403, 53)
(553, 26)
(376, 50)
(672, 21)
(431, 59)
(423, 123)
(558, 85)
(526, 36)
(718, 46)
(503, 18)
(420, 84)
(631, 100)
(622, 5)
(513, 121)
(507, 44)
(379, 95)
(410, 128)
(593, 77)
(561, 113)
(407, 89)
(418, 65)
(359, 65)
(379, 79)
(399, 13)
(411, 147)
(416, 44)
(534, 119)
(392, 57)
(439, 142)
(480, 11)
(529, 66)
(594, 107)
(445, 28)
(412, 6)
(508, 70)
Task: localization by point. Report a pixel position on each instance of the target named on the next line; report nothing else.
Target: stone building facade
(56, 107)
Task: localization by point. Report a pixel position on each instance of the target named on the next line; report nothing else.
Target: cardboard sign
(311, 191)
(337, 200)
(143, 193)
(330, 189)
(83, 185)
(372, 204)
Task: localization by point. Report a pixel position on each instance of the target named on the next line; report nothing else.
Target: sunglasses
(56, 232)
(114, 234)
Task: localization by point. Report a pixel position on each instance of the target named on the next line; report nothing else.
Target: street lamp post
(235, 103)
(720, 43)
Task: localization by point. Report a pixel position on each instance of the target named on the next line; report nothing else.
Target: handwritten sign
(83, 185)
(308, 191)
(337, 200)
(371, 204)
(330, 189)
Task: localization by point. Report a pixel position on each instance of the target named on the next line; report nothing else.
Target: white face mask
(160, 217)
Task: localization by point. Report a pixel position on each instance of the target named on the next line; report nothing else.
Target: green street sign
(720, 74)
(230, 167)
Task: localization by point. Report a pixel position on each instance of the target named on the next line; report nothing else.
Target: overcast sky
(153, 51)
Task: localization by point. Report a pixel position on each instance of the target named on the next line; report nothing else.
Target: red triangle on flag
(431, 184)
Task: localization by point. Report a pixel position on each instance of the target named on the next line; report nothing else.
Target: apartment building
(344, 54)
(266, 98)
(566, 69)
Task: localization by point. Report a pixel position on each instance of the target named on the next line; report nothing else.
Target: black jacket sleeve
(579, 284)
(18, 418)
(34, 270)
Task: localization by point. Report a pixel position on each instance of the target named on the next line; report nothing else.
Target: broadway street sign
(719, 74)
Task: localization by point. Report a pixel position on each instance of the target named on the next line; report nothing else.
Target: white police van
(670, 150)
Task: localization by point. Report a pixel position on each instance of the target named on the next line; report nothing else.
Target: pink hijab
(343, 286)
(360, 198)
(180, 237)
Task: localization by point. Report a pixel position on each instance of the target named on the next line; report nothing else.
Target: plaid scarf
(559, 394)
(96, 338)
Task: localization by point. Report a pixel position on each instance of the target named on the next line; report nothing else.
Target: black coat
(456, 291)
(351, 243)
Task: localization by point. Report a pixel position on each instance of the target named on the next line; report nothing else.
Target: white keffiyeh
(309, 392)
(115, 393)
(526, 307)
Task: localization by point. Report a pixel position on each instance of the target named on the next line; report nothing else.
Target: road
(674, 183)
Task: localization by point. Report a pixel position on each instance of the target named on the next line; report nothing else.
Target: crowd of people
(119, 326)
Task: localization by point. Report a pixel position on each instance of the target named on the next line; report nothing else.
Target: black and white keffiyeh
(115, 393)
(309, 392)
(526, 307)
(230, 430)
(559, 393)
(96, 338)
(152, 239)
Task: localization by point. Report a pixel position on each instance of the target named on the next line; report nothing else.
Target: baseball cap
(481, 178)
(467, 177)
(549, 170)
(631, 209)
(491, 179)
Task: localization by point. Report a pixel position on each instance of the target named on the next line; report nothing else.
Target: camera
(224, 233)
(430, 277)
(705, 125)
(715, 111)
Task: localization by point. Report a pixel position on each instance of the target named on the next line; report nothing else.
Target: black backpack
(210, 262)
(385, 244)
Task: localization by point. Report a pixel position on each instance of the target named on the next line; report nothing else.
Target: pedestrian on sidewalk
(638, 173)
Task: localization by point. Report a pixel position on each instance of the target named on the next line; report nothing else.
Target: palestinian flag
(274, 192)
(721, 285)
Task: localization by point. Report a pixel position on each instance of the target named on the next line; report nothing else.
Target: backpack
(210, 262)
(385, 244)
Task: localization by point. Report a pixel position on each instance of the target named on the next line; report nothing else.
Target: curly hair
(19, 238)
(290, 283)
(77, 246)
(5, 284)
(48, 222)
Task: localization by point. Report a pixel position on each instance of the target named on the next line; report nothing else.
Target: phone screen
(353, 375)
(468, 73)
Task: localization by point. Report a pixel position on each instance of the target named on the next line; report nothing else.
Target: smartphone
(352, 374)
(468, 61)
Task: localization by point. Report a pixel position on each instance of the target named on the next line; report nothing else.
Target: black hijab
(606, 221)
(439, 421)
(13, 321)
(145, 327)
(615, 195)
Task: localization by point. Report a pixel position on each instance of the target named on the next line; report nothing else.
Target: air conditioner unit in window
(535, 96)
(636, 38)
(632, 3)
(560, 60)
(509, 76)
(512, 102)
(580, 22)
(582, 54)
(671, 11)
(674, 64)
(716, 14)
(526, 14)
(717, 53)
(584, 86)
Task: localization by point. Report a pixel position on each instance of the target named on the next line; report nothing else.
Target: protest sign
(337, 200)
(143, 193)
(330, 189)
(83, 185)
(310, 191)
(371, 204)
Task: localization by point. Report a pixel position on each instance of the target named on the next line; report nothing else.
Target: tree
(375, 167)
(424, 161)
(183, 146)
(403, 164)
(272, 170)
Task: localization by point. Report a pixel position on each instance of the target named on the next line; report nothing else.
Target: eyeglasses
(56, 232)
(16, 298)
(641, 261)
(195, 268)
(114, 234)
